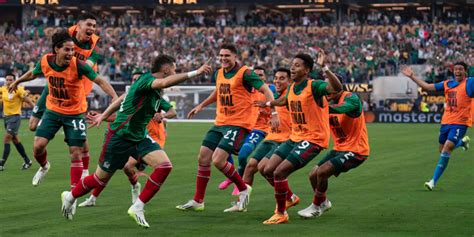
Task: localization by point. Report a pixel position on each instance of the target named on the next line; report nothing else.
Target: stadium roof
(221, 2)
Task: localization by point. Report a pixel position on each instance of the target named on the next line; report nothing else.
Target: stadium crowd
(357, 57)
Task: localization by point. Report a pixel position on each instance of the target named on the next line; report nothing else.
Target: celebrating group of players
(296, 121)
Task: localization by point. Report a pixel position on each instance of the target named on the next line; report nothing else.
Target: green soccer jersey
(138, 108)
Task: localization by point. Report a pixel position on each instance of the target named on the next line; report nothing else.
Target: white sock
(69, 197)
(138, 205)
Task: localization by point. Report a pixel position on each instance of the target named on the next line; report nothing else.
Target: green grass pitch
(383, 197)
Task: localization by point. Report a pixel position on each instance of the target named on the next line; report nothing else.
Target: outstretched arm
(172, 80)
(97, 120)
(407, 71)
(106, 87)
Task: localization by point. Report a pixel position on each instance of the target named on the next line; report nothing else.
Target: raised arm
(28, 76)
(334, 85)
(407, 71)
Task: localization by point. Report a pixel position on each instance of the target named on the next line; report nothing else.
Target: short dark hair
(59, 38)
(10, 74)
(160, 61)
(229, 47)
(461, 63)
(259, 68)
(85, 16)
(285, 70)
(308, 60)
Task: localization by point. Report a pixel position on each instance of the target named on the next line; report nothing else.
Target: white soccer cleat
(235, 208)
(465, 140)
(138, 216)
(85, 173)
(39, 176)
(430, 185)
(191, 205)
(244, 198)
(136, 189)
(90, 202)
(68, 208)
(315, 211)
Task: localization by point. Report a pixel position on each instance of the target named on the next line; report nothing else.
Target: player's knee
(261, 168)
(7, 138)
(279, 174)
(322, 173)
(204, 158)
(75, 154)
(268, 172)
(251, 167)
(218, 162)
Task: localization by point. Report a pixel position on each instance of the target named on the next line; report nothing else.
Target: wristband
(192, 74)
(325, 68)
(268, 104)
(274, 113)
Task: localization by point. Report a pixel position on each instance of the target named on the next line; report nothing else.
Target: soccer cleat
(315, 211)
(84, 174)
(90, 202)
(39, 176)
(191, 205)
(293, 202)
(429, 185)
(235, 191)
(244, 198)
(225, 184)
(136, 189)
(68, 209)
(138, 216)
(2, 168)
(26, 166)
(235, 208)
(277, 218)
(465, 140)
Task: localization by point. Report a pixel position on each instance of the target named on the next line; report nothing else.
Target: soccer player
(127, 136)
(156, 131)
(85, 49)
(258, 133)
(11, 112)
(306, 100)
(234, 83)
(457, 116)
(64, 103)
(351, 148)
(263, 152)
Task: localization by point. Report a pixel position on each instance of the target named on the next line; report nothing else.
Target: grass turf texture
(383, 197)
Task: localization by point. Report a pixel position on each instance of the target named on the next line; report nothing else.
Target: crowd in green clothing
(355, 56)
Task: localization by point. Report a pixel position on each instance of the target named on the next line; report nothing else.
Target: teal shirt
(351, 106)
(251, 80)
(138, 108)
